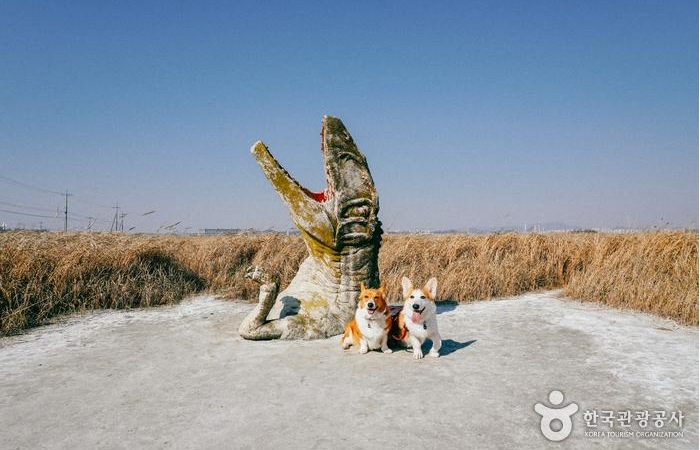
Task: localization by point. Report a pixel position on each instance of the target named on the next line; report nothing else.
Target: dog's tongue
(415, 317)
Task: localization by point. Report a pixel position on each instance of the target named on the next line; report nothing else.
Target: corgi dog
(369, 330)
(417, 321)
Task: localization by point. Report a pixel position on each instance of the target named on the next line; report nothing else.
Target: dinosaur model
(342, 233)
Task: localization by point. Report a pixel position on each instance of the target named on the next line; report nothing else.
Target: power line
(27, 214)
(79, 219)
(56, 212)
(50, 191)
(117, 223)
(82, 216)
(65, 194)
(29, 186)
(35, 208)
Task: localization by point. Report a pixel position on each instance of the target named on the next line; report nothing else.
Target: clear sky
(470, 113)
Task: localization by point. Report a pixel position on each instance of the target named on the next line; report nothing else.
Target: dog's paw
(417, 354)
(388, 350)
(363, 351)
(434, 353)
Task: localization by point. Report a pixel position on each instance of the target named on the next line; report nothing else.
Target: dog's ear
(431, 288)
(362, 286)
(407, 286)
(381, 289)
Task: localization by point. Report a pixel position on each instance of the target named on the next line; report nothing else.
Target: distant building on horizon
(224, 231)
(219, 231)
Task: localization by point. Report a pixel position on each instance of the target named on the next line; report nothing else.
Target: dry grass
(43, 275)
(651, 272)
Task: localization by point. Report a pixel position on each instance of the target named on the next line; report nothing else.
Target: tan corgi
(369, 330)
(417, 321)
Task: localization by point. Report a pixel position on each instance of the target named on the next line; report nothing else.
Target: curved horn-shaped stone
(342, 233)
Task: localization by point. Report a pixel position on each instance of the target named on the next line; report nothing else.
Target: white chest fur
(372, 330)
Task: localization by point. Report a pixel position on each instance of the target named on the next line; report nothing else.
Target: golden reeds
(651, 272)
(43, 275)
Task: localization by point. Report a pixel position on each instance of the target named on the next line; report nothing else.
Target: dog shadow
(444, 306)
(448, 346)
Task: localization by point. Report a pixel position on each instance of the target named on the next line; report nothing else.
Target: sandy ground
(180, 377)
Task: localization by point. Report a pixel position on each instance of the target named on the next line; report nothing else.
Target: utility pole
(115, 220)
(65, 211)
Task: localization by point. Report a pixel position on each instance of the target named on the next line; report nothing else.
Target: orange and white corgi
(417, 321)
(369, 330)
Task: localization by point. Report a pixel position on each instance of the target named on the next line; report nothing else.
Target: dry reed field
(43, 275)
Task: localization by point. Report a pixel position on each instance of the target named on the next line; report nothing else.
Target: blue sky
(473, 113)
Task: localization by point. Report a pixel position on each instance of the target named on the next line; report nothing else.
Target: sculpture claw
(259, 275)
(254, 326)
